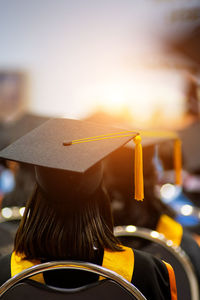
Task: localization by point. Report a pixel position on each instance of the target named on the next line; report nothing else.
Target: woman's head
(65, 186)
(67, 228)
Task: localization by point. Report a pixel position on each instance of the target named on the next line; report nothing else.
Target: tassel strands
(139, 181)
(178, 161)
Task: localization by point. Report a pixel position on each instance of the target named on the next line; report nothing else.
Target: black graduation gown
(153, 277)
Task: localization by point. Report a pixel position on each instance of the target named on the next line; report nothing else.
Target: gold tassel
(178, 161)
(139, 182)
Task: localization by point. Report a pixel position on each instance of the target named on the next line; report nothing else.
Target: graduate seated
(152, 213)
(68, 216)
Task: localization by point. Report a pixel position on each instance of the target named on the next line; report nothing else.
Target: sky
(80, 56)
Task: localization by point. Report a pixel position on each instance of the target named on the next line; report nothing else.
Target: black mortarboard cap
(66, 149)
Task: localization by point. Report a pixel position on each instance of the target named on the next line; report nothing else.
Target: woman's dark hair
(50, 232)
(119, 181)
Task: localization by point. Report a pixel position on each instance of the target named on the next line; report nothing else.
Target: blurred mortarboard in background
(153, 141)
(190, 137)
(65, 149)
(11, 131)
(171, 142)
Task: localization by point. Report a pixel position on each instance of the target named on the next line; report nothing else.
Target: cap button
(137, 139)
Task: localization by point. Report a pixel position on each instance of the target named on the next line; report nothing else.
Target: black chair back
(113, 287)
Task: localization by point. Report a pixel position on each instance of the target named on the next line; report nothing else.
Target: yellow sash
(18, 264)
(120, 262)
(171, 229)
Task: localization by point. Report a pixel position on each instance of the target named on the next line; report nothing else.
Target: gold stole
(119, 262)
(171, 229)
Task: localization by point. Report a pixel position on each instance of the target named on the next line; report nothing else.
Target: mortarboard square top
(44, 146)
